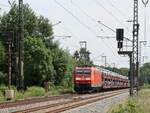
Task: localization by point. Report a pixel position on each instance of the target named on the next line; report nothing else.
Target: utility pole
(145, 2)
(144, 57)
(135, 47)
(120, 39)
(105, 60)
(140, 55)
(140, 49)
(84, 53)
(9, 53)
(83, 44)
(21, 46)
(114, 65)
(130, 54)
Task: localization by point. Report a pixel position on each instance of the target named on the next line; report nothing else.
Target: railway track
(76, 101)
(34, 100)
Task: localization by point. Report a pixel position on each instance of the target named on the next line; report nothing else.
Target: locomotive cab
(82, 79)
(87, 79)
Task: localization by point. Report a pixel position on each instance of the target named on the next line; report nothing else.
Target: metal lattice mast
(21, 45)
(135, 43)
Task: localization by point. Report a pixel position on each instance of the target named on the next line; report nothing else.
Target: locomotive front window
(83, 71)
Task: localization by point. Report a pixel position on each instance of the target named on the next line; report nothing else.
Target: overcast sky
(79, 20)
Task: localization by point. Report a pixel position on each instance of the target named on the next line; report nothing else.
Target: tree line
(44, 60)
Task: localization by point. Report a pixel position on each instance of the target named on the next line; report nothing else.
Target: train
(94, 79)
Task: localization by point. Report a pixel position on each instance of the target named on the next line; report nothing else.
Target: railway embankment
(102, 106)
(97, 102)
(137, 104)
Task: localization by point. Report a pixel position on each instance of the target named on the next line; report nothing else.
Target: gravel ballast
(102, 106)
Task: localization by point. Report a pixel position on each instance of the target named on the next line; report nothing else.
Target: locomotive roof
(105, 71)
(112, 73)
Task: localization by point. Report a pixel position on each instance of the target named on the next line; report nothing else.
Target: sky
(79, 20)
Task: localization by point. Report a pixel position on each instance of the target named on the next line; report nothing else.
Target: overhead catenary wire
(117, 9)
(86, 26)
(123, 14)
(87, 15)
(84, 12)
(110, 13)
(145, 2)
(112, 30)
(75, 17)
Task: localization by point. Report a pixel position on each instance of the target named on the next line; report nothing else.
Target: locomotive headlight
(78, 78)
(88, 78)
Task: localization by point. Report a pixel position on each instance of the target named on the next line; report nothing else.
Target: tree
(83, 57)
(2, 56)
(38, 62)
(145, 73)
(61, 61)
(34, 26)
(2, 62)
(36, 30)
(44, 60)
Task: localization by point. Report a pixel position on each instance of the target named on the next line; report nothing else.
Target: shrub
(2, 98)
(2, 78)
(132, 106)
(3, 87)
(34, 91)
(146, 86)
(19, 95)
(54, 90)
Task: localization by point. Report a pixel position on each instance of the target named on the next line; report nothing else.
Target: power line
(83, 24)
(86, 14)
(92, 20)
(75, 17)
(111, 14)
(117, 9)
(68, 30)
(112, 30)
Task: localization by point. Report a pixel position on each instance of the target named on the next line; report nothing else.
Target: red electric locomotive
(96, 78)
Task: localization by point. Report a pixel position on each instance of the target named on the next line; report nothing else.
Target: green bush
(131, 107)
(34, 91)
(2, 98)
(2, 78)
(146, 86)
(54, 90)
(3, 87)
(19, 95)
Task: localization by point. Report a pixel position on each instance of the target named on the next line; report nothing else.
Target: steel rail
(68, 104)
(34, 100)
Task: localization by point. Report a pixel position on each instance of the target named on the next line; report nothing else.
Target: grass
(132, 106)
(146, 86)
(2, 98)
(34, 91)
(137, 104)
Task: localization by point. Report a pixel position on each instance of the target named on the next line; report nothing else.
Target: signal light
(119, 34)
(120, 45)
